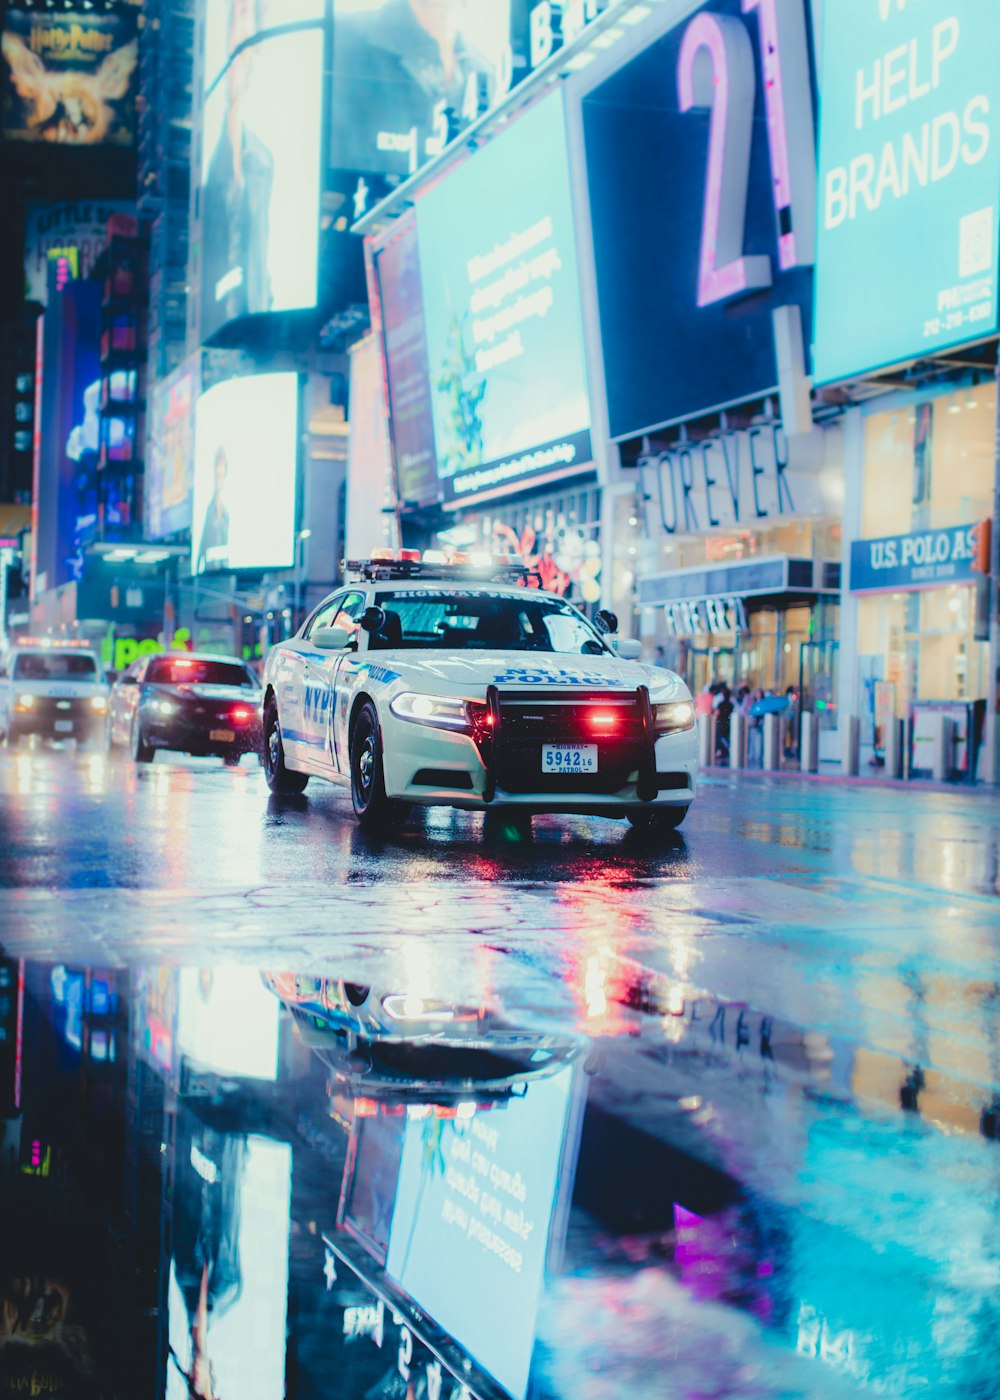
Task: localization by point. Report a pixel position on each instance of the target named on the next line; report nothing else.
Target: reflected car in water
(194, 704)
(415, 1047)
(53, 692)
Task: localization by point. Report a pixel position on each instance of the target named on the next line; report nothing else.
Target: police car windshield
(482, 622)
(54, 666)
(166, 670)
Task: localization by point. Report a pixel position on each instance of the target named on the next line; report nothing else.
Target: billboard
(230, 23)
(227, 1299)
(469, 1237)
(245, 457)
(701, 170)
(260, 177)
(504, 327)
(170, 458)
(69, 402)
(909, 183)
(370, 521)
(55, 230)
(407, 77)
(404, 337)
(70, 76)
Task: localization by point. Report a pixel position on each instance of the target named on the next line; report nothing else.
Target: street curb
(918, 785)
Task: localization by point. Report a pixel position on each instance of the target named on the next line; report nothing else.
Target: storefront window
(930, 465)
(923, 645)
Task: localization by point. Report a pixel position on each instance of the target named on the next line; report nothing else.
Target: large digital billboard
(469, 1238)
(170, 457)
(407, 370)
(230, 23)
(53, 231)
(502, 311)
(260, 198)
(245, 459)
(66, 494)
(909, 182)
(701, 171)
(408, 75)
(70, 76)
(227, 1299)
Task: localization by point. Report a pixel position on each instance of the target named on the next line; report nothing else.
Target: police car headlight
(439, 712)
(673, 718)
(24, 702)
(163, 707)
(99, 702)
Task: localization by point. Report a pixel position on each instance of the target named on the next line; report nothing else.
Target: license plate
(569, 758)
(64, 726)
(221, 736)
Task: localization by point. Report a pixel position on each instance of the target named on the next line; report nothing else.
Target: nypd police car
(459, 685)
(53, 690)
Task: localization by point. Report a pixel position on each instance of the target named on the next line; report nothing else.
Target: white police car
(461, 686)
(55, 690)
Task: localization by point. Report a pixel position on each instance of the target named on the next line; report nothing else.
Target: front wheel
(371, 805)
(659, 819)
(280, 780)
(141, 751)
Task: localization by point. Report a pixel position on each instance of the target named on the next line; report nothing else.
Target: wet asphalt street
(787, 1178)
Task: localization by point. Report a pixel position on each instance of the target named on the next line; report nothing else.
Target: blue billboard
(469, 1237)
(909, 180)
(504, 328)
(701, 167)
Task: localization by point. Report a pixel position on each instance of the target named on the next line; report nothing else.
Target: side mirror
(372, 620)
(628, 648)
(606, 621)
(331, 638)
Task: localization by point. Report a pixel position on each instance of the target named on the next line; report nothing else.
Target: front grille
(528, 722)
(49, 708)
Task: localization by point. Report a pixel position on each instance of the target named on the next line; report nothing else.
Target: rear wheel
(280, 779)
(371, 805)
(142, 752)
(660, 819)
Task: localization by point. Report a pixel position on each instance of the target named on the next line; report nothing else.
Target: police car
(56, 690)
(462, 685)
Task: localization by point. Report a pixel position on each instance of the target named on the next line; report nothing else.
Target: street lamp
(300, 538)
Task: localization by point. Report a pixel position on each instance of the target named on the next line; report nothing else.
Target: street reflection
(227, 1181)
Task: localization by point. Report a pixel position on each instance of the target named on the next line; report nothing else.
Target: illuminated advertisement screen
(261, 181)
(470, 1228)
(230, 23)
(909, 183)
(693, 258)
(70, 76)
(245, 456)
(227, 1300)
(502, 312)
(227, 1022)
(54, 230)
(407, 76)
(68, 450)
(404, 335)
(170, 460)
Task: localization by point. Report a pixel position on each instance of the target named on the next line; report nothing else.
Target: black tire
(371, 806)
(141, 751)
(280, 780)
(660, 819)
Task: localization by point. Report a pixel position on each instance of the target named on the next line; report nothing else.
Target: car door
(288, 674)
(124, 699)
(324, 667)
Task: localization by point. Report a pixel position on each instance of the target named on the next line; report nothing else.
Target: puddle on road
(230, 1183)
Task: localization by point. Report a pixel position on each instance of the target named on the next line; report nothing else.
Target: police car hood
(468, 673)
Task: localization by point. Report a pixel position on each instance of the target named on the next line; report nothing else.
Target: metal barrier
(772, 742)
(809, 751)
(706, 740)
(739, 735)
(894, 747)
(851, 757)
(943, 764)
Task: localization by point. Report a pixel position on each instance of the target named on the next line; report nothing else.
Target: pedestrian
(723, 716)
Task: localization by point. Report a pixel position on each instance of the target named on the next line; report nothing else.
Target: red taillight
(241, 714)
